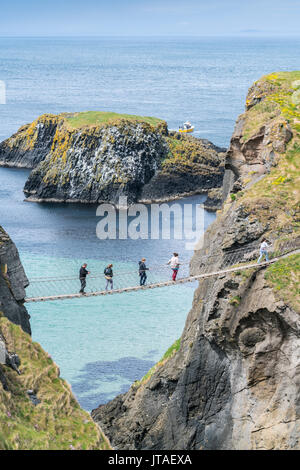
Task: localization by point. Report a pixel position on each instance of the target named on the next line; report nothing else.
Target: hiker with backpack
(142, 271)
(108, 273)
(174, 264)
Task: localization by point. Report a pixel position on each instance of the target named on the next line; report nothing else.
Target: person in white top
(263, 250)
(174, 264)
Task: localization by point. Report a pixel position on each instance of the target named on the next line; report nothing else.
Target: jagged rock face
(234, 382)
(37, 407)
(13, 281)
(101, 162)
(257, 154)
(30, 145)
(98, 165)
(197, 166)
(256, 143)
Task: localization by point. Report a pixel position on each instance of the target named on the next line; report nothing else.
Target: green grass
(284, 277)
(235, 300)
(169, 353)
(258, 115)
(58, 422)
(275, 198)
(188, 152)
(282, 99)
(94, 118)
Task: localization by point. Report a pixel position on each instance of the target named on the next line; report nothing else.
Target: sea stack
(93, 157)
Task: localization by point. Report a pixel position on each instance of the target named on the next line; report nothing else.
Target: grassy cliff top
(274, 96)
(89, 123)
(169, 353)
(284, 277)
(95, 118)
(274, 101)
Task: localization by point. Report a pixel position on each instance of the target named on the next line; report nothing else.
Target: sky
(149, 17)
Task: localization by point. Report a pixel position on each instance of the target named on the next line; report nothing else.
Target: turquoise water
(103, 344)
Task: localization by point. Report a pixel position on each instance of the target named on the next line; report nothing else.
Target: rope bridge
(60, 288)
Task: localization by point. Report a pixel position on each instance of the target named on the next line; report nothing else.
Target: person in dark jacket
(108, 273)
(82, 276)
(142, 271)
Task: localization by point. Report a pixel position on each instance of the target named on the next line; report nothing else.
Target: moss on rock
(57, 422)
(272, 114)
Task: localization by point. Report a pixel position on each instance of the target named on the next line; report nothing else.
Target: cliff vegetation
(37, 407)
(233, 383)
(98, 156)
(55, 420)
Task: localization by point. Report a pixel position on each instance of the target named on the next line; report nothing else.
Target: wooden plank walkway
(159, 284)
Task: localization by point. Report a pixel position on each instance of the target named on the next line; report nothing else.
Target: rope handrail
(59, 288)
(250, 248)
(156, 266)
(160, 284)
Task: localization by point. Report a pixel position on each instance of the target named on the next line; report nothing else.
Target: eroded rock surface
(234, 382)
(101, 162)
(13, 282)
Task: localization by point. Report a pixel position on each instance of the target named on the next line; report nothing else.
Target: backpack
(107, 273)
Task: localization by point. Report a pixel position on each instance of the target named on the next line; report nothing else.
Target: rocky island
(93, 157)
(232, 380)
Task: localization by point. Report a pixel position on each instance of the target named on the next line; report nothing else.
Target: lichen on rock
(95, 156)
(98, 164)
(37, 408)
(13, 282)
(234, 381)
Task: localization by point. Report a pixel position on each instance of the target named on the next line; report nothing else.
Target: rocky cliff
(37, 407)
(94, 156)
(13, 281)
(232, 380)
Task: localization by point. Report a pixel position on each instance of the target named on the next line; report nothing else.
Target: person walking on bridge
(142, 271)
(263, 250)
(108, 273)
(82, 276)
(174, 264)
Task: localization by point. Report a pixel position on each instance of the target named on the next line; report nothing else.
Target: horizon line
(238, 34)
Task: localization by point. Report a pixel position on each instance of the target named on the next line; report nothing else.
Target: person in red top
(174, 263)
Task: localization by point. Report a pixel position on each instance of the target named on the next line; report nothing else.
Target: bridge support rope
(154, 285)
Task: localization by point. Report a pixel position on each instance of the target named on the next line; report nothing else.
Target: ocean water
(204, 80)
(103, 344)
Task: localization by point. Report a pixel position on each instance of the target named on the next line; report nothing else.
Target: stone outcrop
(13, 281)
(95, 162)
(260, 135)
(234, 381)
(37, 408)
(98, 164)
(30, 145)
(193, 166)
